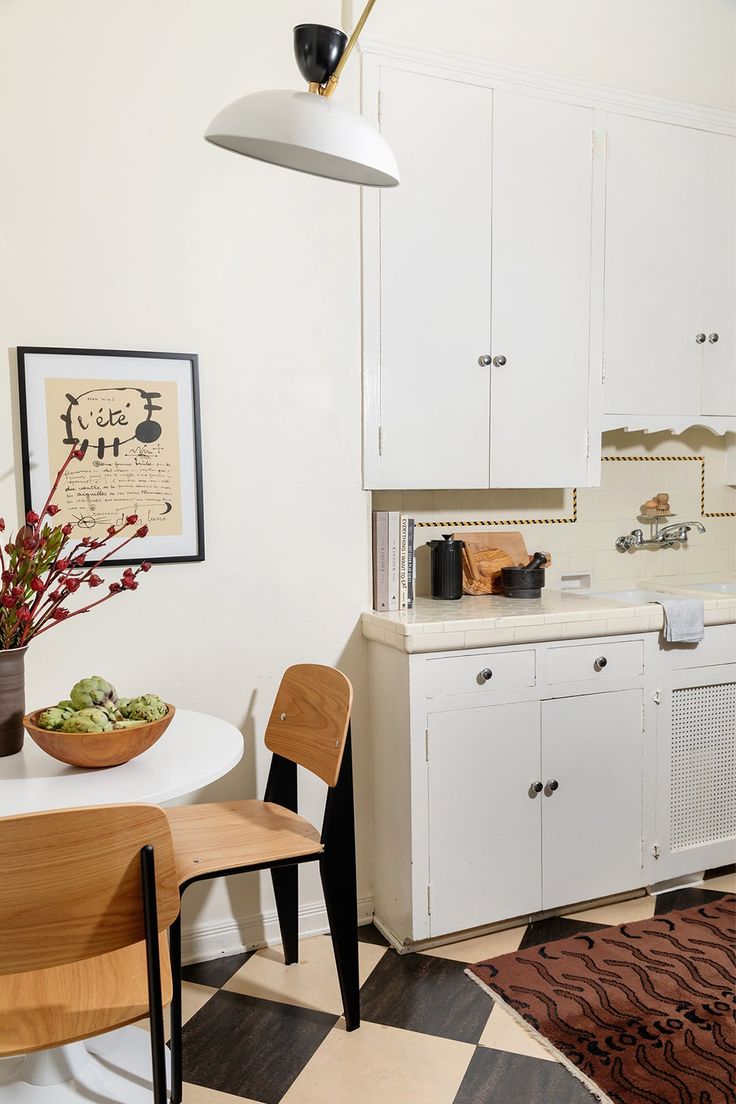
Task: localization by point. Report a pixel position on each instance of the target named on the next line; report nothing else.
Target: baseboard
(211, 939)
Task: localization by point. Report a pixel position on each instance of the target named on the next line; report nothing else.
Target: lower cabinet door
(696, 773)
(592, 802)
(484, 815)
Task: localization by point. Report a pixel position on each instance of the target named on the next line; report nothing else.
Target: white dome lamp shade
(309, 131)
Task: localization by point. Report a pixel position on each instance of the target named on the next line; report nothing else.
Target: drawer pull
(550, 787)
(535, 788)
(600, 663)
(485, 675)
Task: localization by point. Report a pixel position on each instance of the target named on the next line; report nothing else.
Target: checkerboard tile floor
(260, 1032)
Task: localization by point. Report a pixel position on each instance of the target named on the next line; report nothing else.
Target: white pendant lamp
(309, 131)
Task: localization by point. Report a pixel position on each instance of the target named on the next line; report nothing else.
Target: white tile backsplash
(605, 512)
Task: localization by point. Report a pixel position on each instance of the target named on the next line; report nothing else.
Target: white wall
(684, 49)
(120, 227)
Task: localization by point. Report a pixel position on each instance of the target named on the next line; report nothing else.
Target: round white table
(195, 750)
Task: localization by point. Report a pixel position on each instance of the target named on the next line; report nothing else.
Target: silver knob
(551, 785)
(486, 361)
(499, 361)
(535, 788)
(485, 675)
(600, 663)
(713, 338)
(700, 338)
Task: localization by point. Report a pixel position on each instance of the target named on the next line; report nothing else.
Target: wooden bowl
(97, 749)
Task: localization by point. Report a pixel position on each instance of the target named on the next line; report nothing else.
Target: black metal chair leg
(153, 964)
(175, 1011)
(338, 883)
(285, 881)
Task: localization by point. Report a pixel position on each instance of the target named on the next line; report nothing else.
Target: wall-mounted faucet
(665, 538)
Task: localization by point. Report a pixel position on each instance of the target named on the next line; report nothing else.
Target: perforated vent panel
(703, 765)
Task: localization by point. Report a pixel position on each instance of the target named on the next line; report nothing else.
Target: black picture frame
(25, 355)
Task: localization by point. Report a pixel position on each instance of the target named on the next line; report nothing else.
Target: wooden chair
(309, 726)
(84, 897)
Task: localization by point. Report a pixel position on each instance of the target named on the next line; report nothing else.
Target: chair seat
(232, 835)
(62, 1004)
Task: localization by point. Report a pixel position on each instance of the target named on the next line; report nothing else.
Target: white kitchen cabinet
(477, 289)
(592, 821)
(719, 312)
(502, 846)
(434, 287)
(670, 294)
(484, 819)
(642, 748)
(696, 766)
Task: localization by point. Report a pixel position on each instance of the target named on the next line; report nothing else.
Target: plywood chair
(84, 897)
(309, 726)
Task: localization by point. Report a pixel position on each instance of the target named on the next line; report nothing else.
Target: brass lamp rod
(331, 85)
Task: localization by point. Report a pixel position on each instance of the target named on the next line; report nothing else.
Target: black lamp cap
(317, 50)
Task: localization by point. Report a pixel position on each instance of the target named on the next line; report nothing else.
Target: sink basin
(716, 588)
(633, 597)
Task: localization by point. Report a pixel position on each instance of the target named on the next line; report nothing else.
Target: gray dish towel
(683, 620)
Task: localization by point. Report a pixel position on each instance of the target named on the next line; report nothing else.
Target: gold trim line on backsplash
(574, 516)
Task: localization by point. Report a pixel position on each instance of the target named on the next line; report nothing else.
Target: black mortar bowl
(518, 582)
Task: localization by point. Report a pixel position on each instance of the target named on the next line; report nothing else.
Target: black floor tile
(369, 933)
(216, 971)
(685, 898)
(251, 1047)
(555, 927)
(719, 871)
(495, 1077)
(421, 993)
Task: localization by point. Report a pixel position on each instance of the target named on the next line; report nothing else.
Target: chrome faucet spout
(665, 538)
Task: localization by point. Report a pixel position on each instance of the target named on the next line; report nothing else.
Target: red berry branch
(40, 568)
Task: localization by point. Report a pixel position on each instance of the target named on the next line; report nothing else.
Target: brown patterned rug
(643, 1014)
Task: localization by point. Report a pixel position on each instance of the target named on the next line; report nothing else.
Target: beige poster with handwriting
(129, 432)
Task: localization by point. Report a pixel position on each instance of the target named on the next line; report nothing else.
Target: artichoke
(66, 707)
(88, 720)
(123, 705)
(148, 707)
(52, 719)
(94, 692)
(117, 725)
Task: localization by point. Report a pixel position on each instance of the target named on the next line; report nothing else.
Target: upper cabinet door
(542, 200)
(431, 408)
(654, 267)
(719, 356)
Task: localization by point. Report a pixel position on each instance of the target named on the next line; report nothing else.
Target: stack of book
(393, 560)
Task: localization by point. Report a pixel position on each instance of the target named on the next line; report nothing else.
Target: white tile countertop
(488, 621)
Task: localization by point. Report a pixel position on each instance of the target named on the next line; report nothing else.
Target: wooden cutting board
(485, 554)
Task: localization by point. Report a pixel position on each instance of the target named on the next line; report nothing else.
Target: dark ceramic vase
(12, 700)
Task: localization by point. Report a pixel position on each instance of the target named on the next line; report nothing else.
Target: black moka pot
(447, 567)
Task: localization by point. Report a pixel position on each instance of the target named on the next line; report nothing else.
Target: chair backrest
(70, 883)
(310, 717)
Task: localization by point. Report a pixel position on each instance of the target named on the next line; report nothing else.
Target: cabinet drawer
(580, 662)
(480, 673)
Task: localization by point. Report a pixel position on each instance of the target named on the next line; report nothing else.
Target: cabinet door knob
(499, 361)
(713, 338)
(551, 785)
(700, 338)
(485, 361)
(600, 663)
(535, 788)
(485, 675)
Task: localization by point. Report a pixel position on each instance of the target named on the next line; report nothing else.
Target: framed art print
(135, 416)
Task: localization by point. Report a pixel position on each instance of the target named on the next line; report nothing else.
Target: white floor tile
(481, 947)
(625, 912)
(382, 1065)
(311, 983)
(502, 1032)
